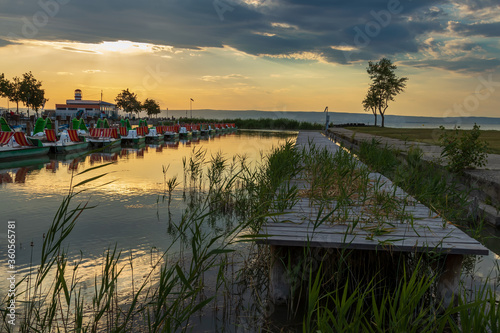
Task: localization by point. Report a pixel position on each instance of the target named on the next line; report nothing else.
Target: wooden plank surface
(421, 230)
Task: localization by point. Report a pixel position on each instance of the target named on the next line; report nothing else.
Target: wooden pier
(422, 231)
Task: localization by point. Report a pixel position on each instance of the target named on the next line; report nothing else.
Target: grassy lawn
(427, 135)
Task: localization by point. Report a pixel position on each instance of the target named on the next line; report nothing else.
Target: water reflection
(130, 207)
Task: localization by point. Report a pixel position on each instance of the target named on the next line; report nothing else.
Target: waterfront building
(86, 108)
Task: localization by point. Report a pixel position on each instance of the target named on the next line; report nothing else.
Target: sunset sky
(275, 55)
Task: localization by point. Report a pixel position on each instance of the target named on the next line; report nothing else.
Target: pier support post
(448, 282)
(279, 284)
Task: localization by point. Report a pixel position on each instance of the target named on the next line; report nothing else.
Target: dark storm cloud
(477, 29)
(463, 65)
(190, 22)
(276, 27)
(373, 27)
(4, 42)
(194, 23)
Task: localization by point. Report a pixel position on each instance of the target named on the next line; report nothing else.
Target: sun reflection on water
(130, 211)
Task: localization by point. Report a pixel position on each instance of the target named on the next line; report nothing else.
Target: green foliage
(128, 102)
(431, 185)
(384, 87)
(404, 308)
(481, 314)
(31, 92)
(463, 150)
(4, 86)
(14, 91)
(280, 124)
(27, 90)
(380, 159)
(276, 124)
(151, 107)
(371, 103)
(168, 296)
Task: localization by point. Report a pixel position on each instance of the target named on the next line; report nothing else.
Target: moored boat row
(14, 145)
(45, 138)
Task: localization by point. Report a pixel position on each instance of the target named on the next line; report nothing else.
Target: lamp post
(191, 106)
(327, 119)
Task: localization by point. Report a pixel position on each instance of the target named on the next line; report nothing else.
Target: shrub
(463, 149)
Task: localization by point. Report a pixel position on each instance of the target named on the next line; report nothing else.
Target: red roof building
(86, 108)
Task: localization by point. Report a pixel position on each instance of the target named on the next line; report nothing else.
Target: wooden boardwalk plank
(349, 242)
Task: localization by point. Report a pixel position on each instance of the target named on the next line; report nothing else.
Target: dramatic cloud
(476, 29)
(4, 42)
(318, 30)
(461, 65)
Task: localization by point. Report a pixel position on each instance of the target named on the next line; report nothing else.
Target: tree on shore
(385, 84)
(4, 86)
(151, 107)
(14, 92)
(31, 92)
(371, 102)
(127, 101)
(27, 90)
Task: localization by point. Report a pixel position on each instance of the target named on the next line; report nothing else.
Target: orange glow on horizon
(224, 79)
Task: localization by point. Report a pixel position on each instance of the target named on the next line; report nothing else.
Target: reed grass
(263, 123)
(55, 301)
(214, 265)
(429, 184)
(389, 292)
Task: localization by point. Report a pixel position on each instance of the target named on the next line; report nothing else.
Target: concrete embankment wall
(483, 184)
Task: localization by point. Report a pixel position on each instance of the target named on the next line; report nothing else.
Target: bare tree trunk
(375, 114)
(382, 113)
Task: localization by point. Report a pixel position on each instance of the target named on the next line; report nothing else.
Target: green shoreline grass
(427, 135)
(260, 123)
(218, 268)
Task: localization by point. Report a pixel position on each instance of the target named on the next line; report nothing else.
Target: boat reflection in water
(14, 176)
(16, 171)
(33, 162)
(127, 208)
(171, 144)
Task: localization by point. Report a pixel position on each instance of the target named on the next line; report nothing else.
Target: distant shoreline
(276, 114)
(336, 118)
(345, 118)
(315, 112)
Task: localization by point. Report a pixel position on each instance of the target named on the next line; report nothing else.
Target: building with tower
(86, 108)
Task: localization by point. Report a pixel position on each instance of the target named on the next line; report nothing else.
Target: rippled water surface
(130, 210)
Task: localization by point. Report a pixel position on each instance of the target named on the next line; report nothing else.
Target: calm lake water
(129, 207)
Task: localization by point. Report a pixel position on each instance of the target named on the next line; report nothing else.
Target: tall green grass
(428, 183)
(263, 123)
(213, 264)
(166, 299)
(358, 291)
